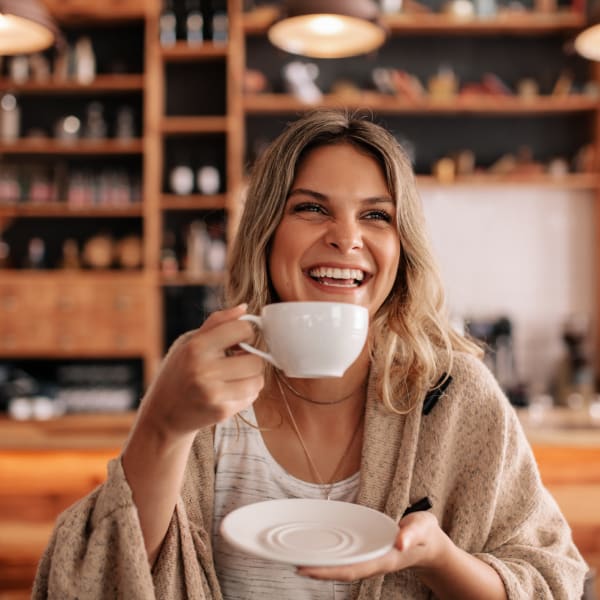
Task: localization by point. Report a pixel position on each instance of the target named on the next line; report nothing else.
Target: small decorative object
(495, 86)
(558, 167)
(95, 125)
(505, 165)
(528, 89)
(563, 85)
(443, 85)
(19, 69)
(68, 128)
(585, 159)
(220, 27)
(70, 254)
(444, 170)
(129, 252)
(125, 128)
(40, 67)
(194, 23)
(485, 9)
(300, 79)
(208, 179)
(465, 162)
(181, 180)
(85, 61)
(462, 9)
(255, 82)
(98, 252)
(197, 247)
(545, 6)
(346, 89)
(36, 254)
(167, 24)
(390, 7)
(10, 118)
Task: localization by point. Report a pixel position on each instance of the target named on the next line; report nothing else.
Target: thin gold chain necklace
(294, 391)
(327, 486)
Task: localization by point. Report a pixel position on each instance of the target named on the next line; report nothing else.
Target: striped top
(245, 473)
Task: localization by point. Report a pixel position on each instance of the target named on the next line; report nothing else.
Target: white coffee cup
(311, 339)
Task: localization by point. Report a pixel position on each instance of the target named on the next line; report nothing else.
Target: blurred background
(127, 130)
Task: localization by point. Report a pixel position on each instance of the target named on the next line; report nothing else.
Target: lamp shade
(587, 43)
(328, 28)
(25, 27)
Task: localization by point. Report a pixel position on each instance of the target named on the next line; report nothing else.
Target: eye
(378, 215)
(309, 207)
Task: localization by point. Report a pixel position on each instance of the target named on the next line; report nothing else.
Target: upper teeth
(336, 273)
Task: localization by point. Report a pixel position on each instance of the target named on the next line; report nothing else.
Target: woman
(332, 213)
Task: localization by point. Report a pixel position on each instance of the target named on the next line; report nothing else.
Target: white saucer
(310, 532)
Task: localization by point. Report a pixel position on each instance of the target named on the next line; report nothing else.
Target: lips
(337, 276)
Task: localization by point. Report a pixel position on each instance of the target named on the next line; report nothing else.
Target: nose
(344, 235)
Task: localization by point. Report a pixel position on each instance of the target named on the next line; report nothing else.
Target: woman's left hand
(418, 543)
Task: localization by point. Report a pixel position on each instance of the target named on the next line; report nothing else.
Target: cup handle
(248, 348)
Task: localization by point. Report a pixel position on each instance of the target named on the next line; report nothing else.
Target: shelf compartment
(88, 147)
(193, 125)
(193, 202)
(183, 52)
(521, 23)
(102, 84)
(508, 105)
(62, 209)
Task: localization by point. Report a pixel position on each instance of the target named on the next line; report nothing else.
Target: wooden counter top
(71, 432)
(561, 427)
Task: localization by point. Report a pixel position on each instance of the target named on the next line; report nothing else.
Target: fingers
(222, 316)
(362, 570)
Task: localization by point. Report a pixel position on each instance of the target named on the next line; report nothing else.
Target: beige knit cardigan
(469, 456)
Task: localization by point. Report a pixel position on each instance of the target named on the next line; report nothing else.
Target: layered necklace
(327, 487)
(288, 385)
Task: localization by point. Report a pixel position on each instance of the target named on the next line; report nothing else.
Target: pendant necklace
(327, 486)
(294, 391)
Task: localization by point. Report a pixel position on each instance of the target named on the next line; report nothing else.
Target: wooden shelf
(183, 279)
(102, 84)
(62, 209)
(68, 275)
(507, 23)
(476, 105)
(183, 52)
(88, 147)
(193, 202)
(193, 125)
(572, 181)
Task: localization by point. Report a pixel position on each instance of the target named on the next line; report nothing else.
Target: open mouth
(336, 277)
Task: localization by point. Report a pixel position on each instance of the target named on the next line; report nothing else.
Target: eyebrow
(323, 198)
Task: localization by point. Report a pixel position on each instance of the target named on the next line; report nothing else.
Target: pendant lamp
(25, 26)
(328, 28)
(587, 43)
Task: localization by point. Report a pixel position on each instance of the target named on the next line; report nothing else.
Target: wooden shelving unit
(100, 436)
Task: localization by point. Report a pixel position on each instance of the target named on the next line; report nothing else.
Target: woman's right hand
(198, 383)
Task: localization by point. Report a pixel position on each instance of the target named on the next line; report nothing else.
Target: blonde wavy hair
(411, 340)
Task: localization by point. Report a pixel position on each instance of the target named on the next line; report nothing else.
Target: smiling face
(338, 239)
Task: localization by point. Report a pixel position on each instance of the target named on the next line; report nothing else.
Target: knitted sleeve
(528, 541)
(97, 552)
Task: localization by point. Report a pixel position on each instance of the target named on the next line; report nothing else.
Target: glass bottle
(194, 22)
(168, 24)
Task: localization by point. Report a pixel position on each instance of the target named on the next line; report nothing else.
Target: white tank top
(245, 473)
